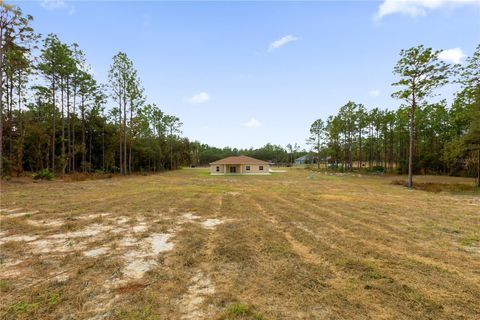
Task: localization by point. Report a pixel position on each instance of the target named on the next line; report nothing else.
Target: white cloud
(252, 123)
(454, 55)
(281, 42)
(201, 97)
(146, 21)
(58, 5)
(416, 8)
(53, 4)
(374, 93)
(72, 11)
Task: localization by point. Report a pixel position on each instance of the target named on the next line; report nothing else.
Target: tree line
(53, 112)
(422, 135)
(269, 152)
(53, 116)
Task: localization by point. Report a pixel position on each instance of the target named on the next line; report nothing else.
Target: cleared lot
(185, 245)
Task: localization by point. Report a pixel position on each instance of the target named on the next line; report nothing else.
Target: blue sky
(246, 73)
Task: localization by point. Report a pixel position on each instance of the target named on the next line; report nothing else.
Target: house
(239, 165)
(302, 160)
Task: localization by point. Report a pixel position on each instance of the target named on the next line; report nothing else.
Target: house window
(218, 168)
(247, 168)
(260, 168)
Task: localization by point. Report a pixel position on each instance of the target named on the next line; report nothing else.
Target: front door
(233, 169)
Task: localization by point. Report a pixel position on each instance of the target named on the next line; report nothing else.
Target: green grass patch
(146, 313)
(470, 240)
(240, 311)
(4, 286)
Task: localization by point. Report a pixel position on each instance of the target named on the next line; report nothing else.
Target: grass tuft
(240, 311)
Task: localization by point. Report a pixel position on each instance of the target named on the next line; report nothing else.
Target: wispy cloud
(281, 42)
(374, 93)
(53, 4)
(146, 20)
(198, 98)
(416, 8)
(454, 55)
(252, 123)
(58, 5)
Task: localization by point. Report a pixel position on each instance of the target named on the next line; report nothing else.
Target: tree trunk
(1, 102)
(53, 126)
(103, 147)
(69, 147)
(73, 125)
(478, 166)
(130, 145)
(84, 144)
(120, 134)
(62, 89)
(20, 116)
(10, 121)
(90, 146)
(411, 147)
(125, 135)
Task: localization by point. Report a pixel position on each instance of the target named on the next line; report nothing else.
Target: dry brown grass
(289, 246)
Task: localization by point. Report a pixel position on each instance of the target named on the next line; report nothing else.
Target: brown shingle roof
(239, 160)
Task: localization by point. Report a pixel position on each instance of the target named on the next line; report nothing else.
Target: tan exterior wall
(255, 168)
(240, 169)
(213, 168)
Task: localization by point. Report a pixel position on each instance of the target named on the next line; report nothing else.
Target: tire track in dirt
(425, 288)
(201, 284)
(340, 281)
(388, 305)
(379, 246)
(302, 250)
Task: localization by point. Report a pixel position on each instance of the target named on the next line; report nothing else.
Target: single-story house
(303, 159)
(239, 165)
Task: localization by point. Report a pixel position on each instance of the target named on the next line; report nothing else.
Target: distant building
(239, 165)
(303, 159)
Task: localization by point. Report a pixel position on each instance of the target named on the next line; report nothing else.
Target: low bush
(44, 174)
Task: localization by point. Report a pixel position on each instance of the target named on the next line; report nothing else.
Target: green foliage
(44, 174)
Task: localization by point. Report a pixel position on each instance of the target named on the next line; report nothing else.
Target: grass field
(185, 245)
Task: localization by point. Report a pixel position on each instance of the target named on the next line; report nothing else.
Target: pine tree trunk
(84, 145)
(53, 126)
(478, 166)
(10, 120)
(411, 145)
(130, 145)
(73, 125)
(1, 103)
(63, 127)
(20, 117)
(125, 136)
(120, 135)
(69, 147)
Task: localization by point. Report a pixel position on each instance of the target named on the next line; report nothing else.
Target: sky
(243, 74)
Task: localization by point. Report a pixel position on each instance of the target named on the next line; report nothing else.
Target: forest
(54, 113)
(55, 116)
(422, 136)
